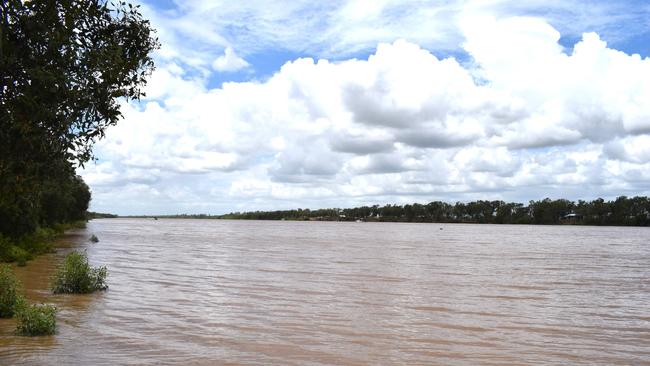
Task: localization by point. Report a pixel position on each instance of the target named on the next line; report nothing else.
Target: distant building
(571, 218)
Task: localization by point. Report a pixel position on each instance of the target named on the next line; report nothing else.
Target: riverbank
(35, 280)
(29, 246)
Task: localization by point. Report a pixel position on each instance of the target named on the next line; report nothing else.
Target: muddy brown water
(207, 292)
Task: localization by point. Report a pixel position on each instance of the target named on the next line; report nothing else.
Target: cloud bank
(522, 118)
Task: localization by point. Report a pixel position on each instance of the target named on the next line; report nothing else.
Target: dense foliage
(622, 211)
(65, 67)
(99, 215)
(37, 242)
(35, 320)
(76, 276)
(9, 296)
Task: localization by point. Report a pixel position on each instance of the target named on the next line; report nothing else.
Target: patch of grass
(43, 235)
(21, 262)
(9, 296)
(13, 253)
(76, 276)
(79, 224)
(94, 239)
(60, 228)
(26, 247)
(34, 320)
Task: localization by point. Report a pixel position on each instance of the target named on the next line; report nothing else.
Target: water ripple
(204, 292)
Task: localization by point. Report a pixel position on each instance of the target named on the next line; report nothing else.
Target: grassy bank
(28, 246)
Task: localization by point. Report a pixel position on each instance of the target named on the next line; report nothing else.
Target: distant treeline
(99, 215)
(621, 211)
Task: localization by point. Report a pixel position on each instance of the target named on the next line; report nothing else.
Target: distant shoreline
(622, 211)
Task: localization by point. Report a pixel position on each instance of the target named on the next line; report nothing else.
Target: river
(208, 292)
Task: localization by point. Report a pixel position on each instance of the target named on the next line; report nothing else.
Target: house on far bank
(571, 218)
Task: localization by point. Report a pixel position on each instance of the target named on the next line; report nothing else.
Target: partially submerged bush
(61, 228)
(12, 253)
(94, 239)
(43, 235)
(9, 296)
(81, 224)
(24, 248)
(33, 320)
(22, 261)
(76, 276)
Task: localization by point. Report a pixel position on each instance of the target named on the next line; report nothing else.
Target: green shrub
(76, 276)
(33, 320)
(61, 228)
(30, 319)
(12, 253)
(58, 228)
(43, 235)
(9, 252)
(81, 224)
(38, 242)
(22, 261)
(9, 296)
(21, 255)
(25, 247)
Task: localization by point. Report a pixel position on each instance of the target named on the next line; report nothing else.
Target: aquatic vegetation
(90, 215)
(22, 261)
(26, 247)
(34, 320)
(13, 253)
(9, 296)
(31, 320)
(76, 276)
(94, 239)
(62, 227)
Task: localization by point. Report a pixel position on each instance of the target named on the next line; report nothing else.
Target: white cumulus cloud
(229, 61)
(523, 118)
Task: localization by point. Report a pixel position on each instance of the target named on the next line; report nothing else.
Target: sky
(265, 105)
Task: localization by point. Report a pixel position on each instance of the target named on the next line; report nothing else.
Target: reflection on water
(203, 292)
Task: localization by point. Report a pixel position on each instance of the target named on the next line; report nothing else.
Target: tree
(65, 67)
(549, 212)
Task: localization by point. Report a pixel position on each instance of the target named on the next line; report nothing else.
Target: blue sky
(272, 105)
(623, 24)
